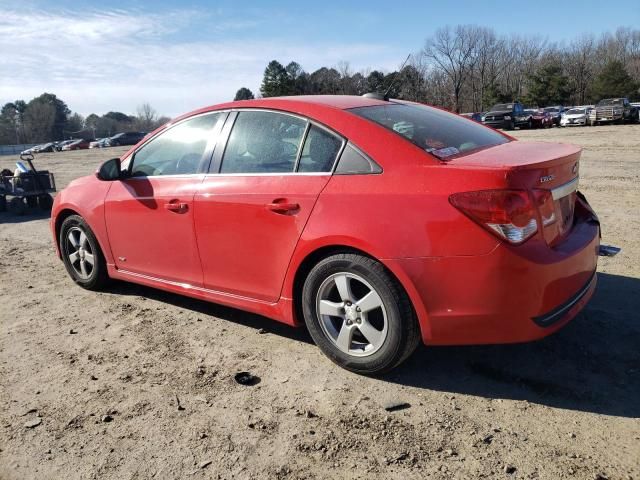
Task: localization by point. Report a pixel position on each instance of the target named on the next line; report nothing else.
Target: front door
(149, 216)
(251, 213)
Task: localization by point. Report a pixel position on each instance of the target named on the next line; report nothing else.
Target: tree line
(468, 68)
(46, 118)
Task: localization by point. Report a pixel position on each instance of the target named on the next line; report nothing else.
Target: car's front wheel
(358, 314)
(81, 254)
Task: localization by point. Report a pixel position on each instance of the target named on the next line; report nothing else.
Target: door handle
(178, 207)
(283, 207)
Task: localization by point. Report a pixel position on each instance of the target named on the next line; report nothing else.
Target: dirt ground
(135, 383)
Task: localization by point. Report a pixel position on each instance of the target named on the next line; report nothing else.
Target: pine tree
(276, 81)
(614, 81)
(243, 94)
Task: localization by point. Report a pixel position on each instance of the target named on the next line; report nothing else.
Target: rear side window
(440, 133)
(352, 161)
(263, 142)
(178, 150)
(320, 151)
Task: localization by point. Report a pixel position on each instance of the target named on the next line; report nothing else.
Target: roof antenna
(386, 92)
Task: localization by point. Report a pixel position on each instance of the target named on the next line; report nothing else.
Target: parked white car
(575, 117)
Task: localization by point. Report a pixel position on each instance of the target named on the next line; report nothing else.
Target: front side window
(263, 142)
(178, 150)
(320, 151)
(439, 133)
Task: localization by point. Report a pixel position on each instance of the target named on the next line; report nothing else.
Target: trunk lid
(549, 171)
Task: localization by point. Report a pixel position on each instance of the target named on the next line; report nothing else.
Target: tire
(91, 277)
(17, 206)
(388, 320)
(511, 125)
(45, 202)
(530, 124)
(3, 203)
(32, 201)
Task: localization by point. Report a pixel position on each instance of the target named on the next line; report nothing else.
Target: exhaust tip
(608, 250)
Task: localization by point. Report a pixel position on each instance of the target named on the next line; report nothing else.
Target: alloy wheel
(78, 250)
(352, 314)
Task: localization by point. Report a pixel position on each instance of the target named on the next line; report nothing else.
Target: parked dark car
(46, 147)
(507, 116)
(126, 138)
(556, 113)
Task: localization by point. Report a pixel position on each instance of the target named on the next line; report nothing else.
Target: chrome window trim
(182, 175)
(270, 174)
(566, 189)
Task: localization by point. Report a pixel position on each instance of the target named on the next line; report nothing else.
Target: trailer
(26, 187)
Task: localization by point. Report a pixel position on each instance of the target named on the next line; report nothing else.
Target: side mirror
(109, 170)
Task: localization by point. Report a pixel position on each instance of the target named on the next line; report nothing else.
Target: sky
(113, 56)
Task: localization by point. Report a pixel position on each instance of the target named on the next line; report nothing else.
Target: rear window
(439, 133)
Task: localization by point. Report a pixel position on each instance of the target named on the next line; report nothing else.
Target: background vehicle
(78, 144)
(616, 110)
(46, 147)
(556, 113)
(60, 145)
(575, 117)
(99, 143)
(313, 181)
(126, 138)
(476, 116)
(27, 187)
(540, 118)
(507, 116)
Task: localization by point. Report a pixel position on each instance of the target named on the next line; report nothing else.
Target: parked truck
(613, 110)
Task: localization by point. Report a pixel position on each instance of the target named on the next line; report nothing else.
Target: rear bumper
(513, 294)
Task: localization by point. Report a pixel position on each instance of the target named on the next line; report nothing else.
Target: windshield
(552, 109)
(502, 106)
(576, 111)
(610, 101)
(440, 133)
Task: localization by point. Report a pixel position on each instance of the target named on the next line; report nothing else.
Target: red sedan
(540, 118)
(377, 224)
(79, 144)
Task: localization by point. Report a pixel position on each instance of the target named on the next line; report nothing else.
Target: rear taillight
(508, 214)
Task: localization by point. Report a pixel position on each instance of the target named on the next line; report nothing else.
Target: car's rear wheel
(358, 314)
(81, 254)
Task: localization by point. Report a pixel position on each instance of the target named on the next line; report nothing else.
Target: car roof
(340, 102)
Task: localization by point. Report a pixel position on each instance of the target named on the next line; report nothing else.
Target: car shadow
(202, 307)
(30, 215)
(591, 365)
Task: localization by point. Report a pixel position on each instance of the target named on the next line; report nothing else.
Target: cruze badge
(547, 178)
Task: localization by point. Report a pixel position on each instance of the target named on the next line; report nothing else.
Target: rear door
(149, 215)
(251, 209)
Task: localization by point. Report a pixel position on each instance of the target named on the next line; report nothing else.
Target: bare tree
(146, 118)
(39, 118)
(451, 51)
(580, 67)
